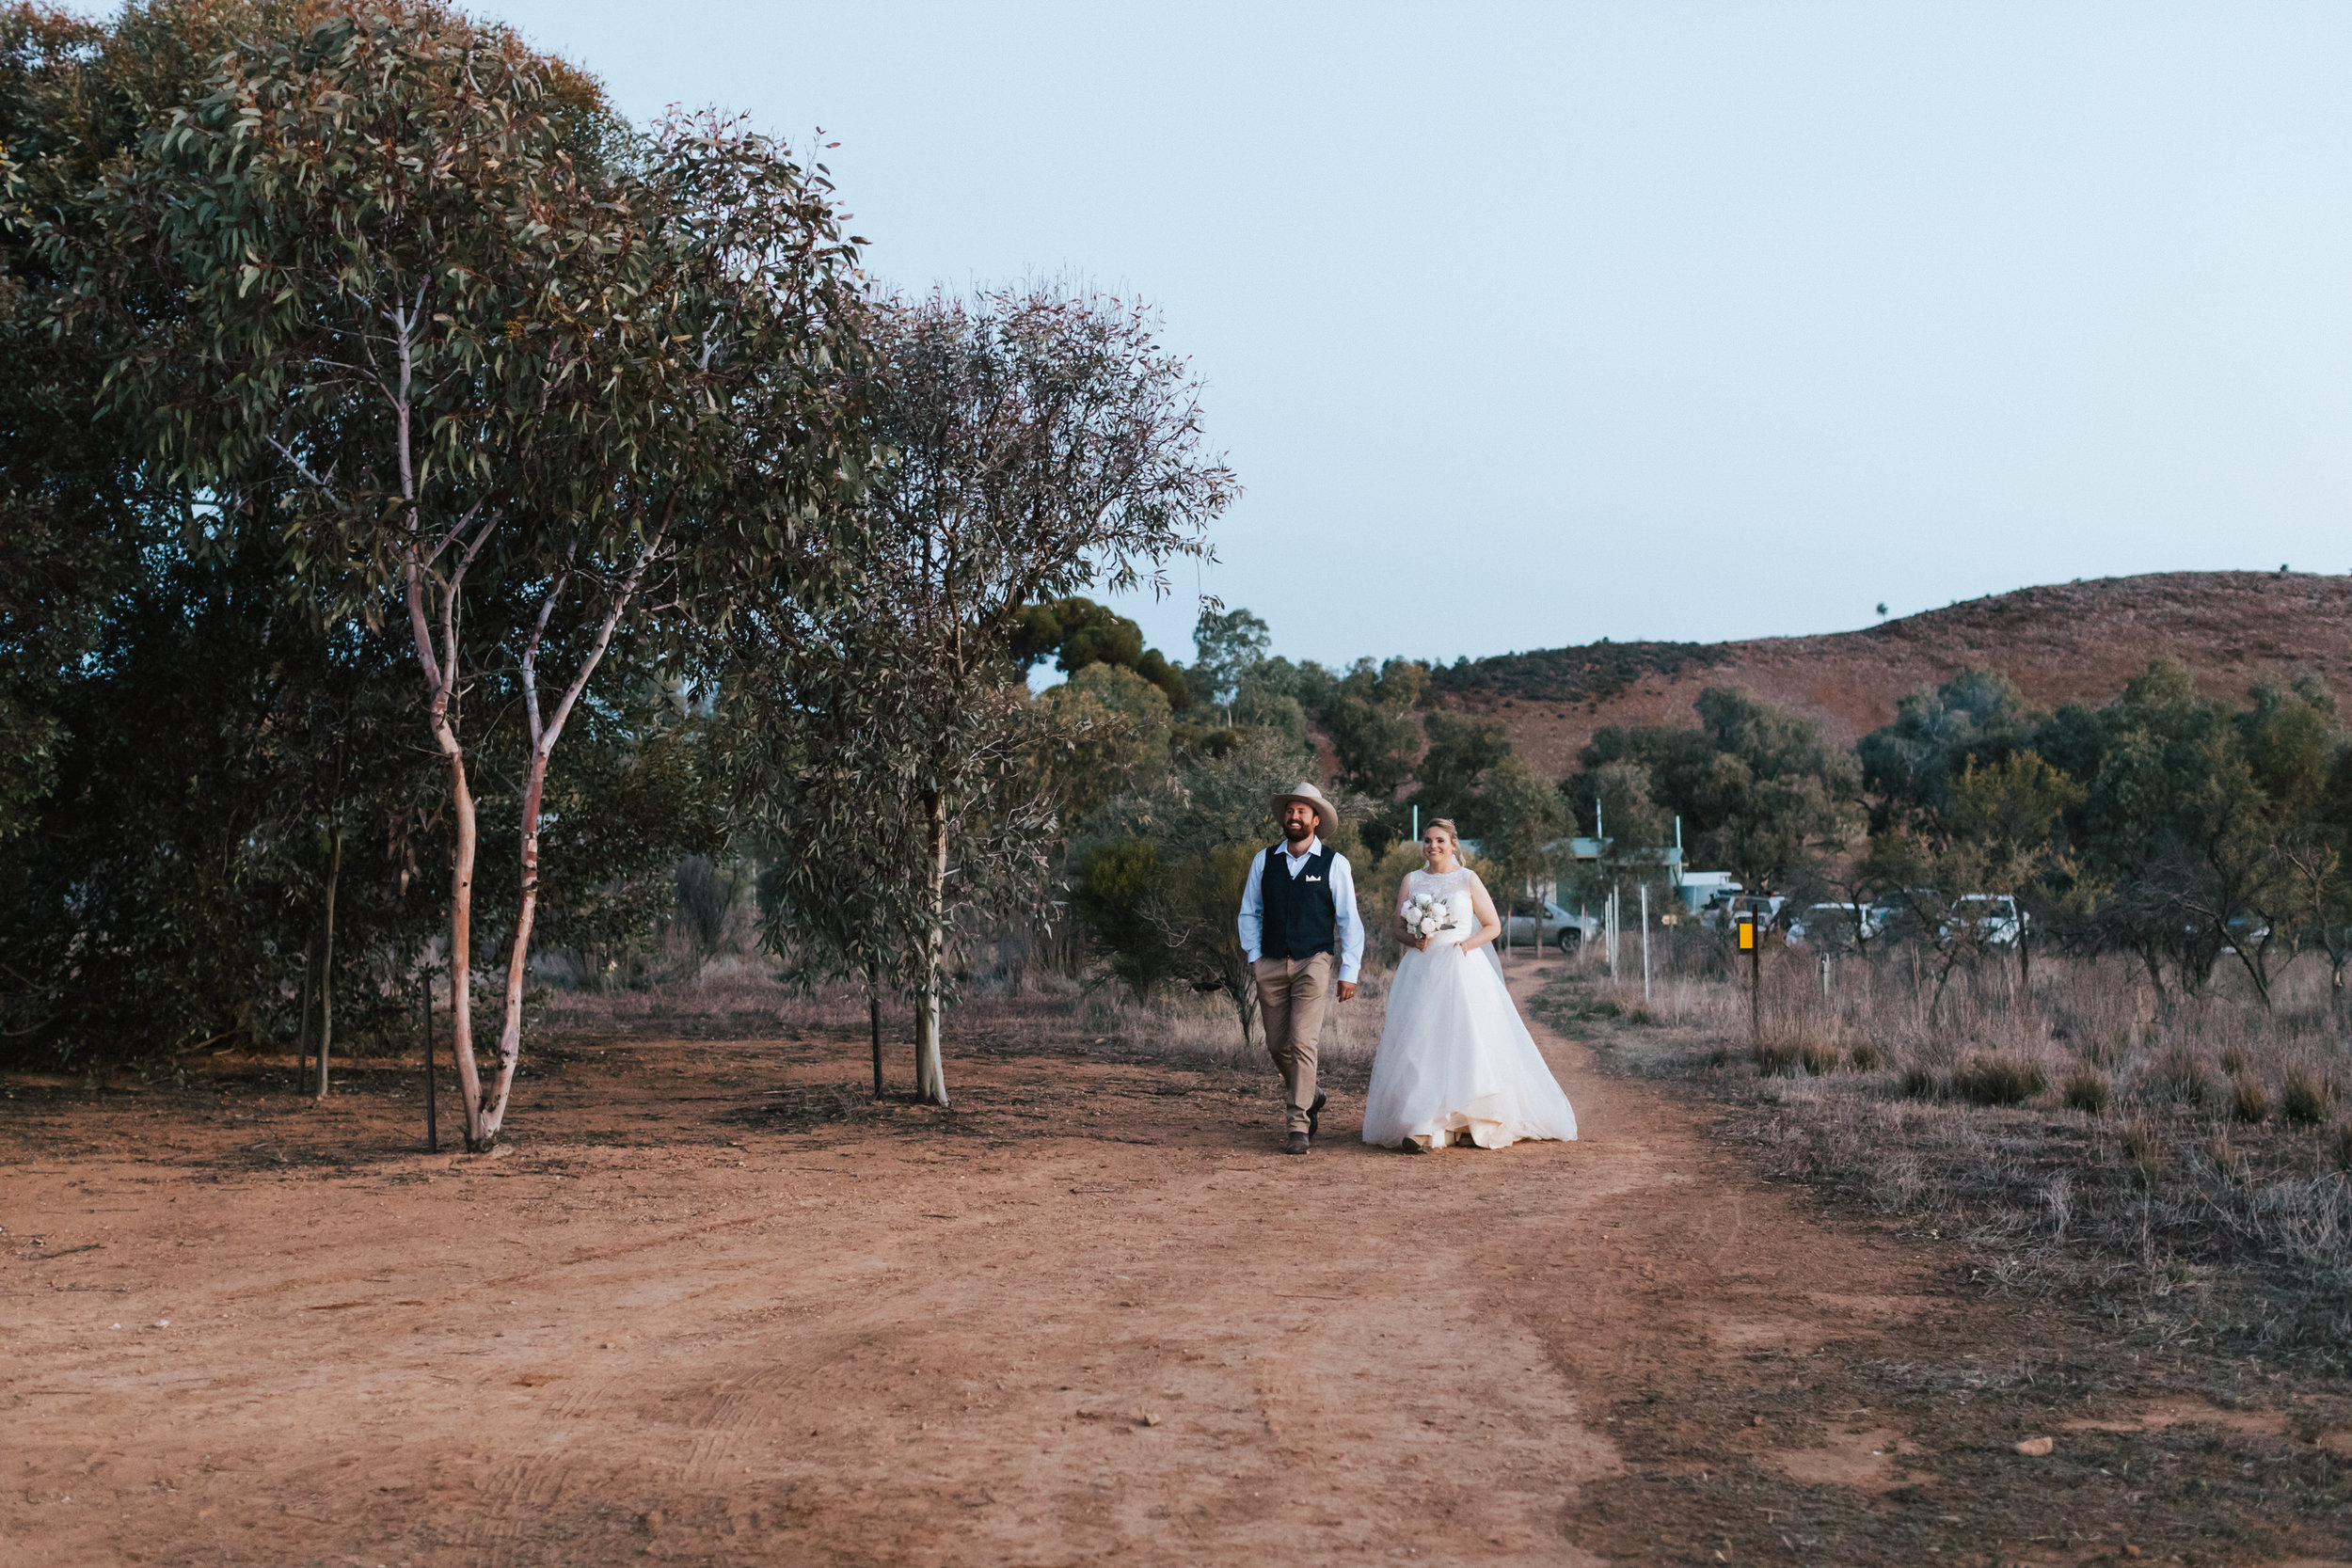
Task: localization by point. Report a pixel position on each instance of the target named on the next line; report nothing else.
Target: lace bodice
(1447, 885)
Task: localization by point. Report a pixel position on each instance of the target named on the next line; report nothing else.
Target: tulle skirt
(1456, 1059)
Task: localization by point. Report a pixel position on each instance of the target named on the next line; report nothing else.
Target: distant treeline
(1593, 672)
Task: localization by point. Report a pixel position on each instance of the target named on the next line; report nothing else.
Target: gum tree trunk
(930, 1077)
(519, 954)
(544, 731)
(461, 949)
(873, 1014)
(326, 965)
(309, 994)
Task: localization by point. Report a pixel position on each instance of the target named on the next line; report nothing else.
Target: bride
(1455, 1064)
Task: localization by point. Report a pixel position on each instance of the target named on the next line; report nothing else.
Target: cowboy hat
(1327, 814)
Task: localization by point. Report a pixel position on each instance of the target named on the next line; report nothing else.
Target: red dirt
(2067, 643)
(1089, 1314)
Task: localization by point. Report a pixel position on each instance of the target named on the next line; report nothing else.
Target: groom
(1298, 920)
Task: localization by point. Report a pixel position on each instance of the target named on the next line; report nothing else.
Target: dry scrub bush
(2226, 1161)
(2309, 1098)
(2250, 1100)
(2087, 1090)
(1998, 1080)
(2142, 1150)
(2180, 1072)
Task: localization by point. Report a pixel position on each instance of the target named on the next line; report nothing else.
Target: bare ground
(714, 1306)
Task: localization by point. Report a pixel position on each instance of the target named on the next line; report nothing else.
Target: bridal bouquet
(1431, 916)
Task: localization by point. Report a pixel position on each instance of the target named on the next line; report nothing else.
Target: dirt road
(1089, 1314)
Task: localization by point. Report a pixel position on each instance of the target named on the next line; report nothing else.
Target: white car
(1994, 917)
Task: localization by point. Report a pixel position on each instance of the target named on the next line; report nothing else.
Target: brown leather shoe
(1315, 1115)
(1298, 1144)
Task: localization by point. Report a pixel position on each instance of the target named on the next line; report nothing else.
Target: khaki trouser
(1292, 994)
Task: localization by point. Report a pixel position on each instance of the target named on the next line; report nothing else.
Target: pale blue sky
(1527, 325)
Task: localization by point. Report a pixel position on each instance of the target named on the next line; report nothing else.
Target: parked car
(2242, 929)
(1834, 925)
(1540, 922)
(1994, 917)
(1723, 911)
(1902, 914)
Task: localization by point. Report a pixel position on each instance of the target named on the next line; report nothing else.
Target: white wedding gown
(1455, 1058)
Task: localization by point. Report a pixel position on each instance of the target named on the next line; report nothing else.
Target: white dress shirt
(1351, 925)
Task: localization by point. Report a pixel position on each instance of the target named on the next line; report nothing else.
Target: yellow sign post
(1752, 943)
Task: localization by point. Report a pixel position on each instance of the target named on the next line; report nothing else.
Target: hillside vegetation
(2069, 642)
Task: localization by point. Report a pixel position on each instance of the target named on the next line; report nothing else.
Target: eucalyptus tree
(1030, 444)
(825, 726)
(524, 382)
(74, 93)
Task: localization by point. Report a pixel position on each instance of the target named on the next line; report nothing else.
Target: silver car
(1539, 922)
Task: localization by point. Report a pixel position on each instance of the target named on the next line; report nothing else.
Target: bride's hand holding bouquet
(1433, 921)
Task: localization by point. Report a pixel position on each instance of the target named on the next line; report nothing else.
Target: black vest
(1302, 916)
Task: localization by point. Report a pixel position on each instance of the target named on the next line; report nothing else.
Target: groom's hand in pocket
(1347, 990)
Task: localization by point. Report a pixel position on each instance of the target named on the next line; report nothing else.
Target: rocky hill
(2075, 641)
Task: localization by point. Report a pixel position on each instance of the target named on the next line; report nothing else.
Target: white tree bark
(930, 1074)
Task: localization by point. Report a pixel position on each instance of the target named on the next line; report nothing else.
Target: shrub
(2142, 1150)
(1866, 1057)
(2234, 1060)
(2250, 1100)
(1776, 1058)
(1115, 883)
(2228, 1163)
(2310, 1097)
(2181, 1072)
(1998, 1080)
(1821, 1057)
(2087, 1090)
(2344, 1146)
(1920, 1084)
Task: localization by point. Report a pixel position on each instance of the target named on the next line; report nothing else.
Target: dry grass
(1999, 1079)
(2249, 1100)
(1192, 1030)
(2177, 1158)
(2309, 1097)
(2086, 1089)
